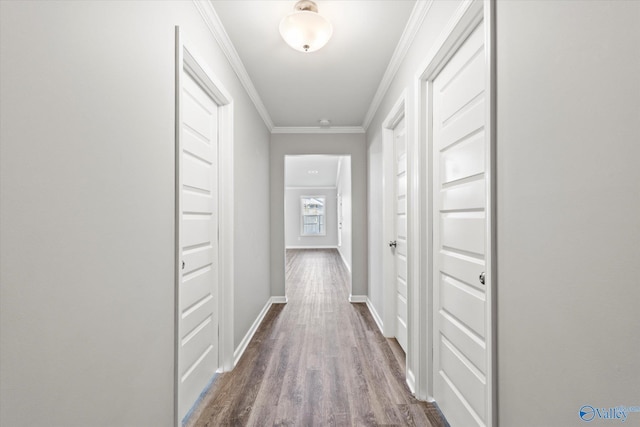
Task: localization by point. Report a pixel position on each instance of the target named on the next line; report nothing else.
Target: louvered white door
(400, 211)
(198, 231)
(461, 307)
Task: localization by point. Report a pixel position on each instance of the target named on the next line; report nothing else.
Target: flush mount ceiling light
(304, 29)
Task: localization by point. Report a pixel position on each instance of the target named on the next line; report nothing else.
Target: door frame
(397, 113)
(461, 25)
(186, 59)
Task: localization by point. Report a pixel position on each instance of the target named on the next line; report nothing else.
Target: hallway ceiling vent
(305, 30)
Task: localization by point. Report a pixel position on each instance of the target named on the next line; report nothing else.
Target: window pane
(313, 211)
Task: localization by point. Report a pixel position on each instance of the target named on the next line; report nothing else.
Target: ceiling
(337, 82)
(324, 171)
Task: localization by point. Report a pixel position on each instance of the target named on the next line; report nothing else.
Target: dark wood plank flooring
(316, 361)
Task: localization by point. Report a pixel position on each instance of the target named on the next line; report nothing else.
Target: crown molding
(317, 129)
(311, 188)
(211, 19)
(416, 18)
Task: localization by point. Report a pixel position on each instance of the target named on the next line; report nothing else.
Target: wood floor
(316, 361)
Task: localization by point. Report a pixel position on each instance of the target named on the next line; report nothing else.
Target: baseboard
(344, 261)
(279, 300)
(313, 247)
(357, 298)
(237, 354)
(197, 405)
(411, 381)
(375, 315)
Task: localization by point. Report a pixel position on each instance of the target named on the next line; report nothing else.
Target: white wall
(344, 189)
(292, 218)
(352, 145)
(568, 210)
(86, 209)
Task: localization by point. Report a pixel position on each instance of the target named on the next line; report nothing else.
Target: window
(312, 218)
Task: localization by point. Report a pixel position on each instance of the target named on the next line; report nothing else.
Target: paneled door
(340, 219)
(198, 240)
(400, 243)
(461, 306)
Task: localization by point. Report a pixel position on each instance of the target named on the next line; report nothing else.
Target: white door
(198, 235)
(339, 205)
(461, 307)
(400, 214)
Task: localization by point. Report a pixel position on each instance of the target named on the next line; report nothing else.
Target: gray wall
(568, 203)
(434, 23)
(438, 16)
(337, 144)
(293, 220)
(86, 209)
(344, 188)
(568, 209)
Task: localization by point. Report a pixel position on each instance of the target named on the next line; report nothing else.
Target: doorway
(318, 206)
(456, 93)
(397, 245)
(203, 225)
(395, 199)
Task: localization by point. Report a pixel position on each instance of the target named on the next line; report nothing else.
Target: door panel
(196, 287)
(196, 341)
(401, 224)
(463, 232)
(194, 227)
(457, 130)
(464, 375)
(459, 85)
(402, 274)
(468, 195)
(196, 173)
(461, 310)
(462, 160)
(464, 303)
(467, 269)
(463, 339)
(400, 175)
(198, 231)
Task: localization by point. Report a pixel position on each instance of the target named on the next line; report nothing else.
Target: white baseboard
(346, 264)
(237, 354)
(375, 315)
(279, 300)
(357, 298)
(313, 247)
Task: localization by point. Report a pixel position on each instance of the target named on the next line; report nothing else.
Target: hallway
(317, 360)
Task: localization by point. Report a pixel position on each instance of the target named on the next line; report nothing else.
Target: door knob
(393, 244)
(183, 265)
(482, 277)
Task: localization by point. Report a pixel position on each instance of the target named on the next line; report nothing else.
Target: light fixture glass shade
(305, 30)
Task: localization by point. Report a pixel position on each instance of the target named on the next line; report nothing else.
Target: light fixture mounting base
(306, 5)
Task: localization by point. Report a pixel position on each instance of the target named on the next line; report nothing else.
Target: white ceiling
(339, 81)
(296, 171)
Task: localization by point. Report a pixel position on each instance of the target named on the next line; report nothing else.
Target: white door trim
(388, 217)
(196, 68)
(397, 112)
(464, 21)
